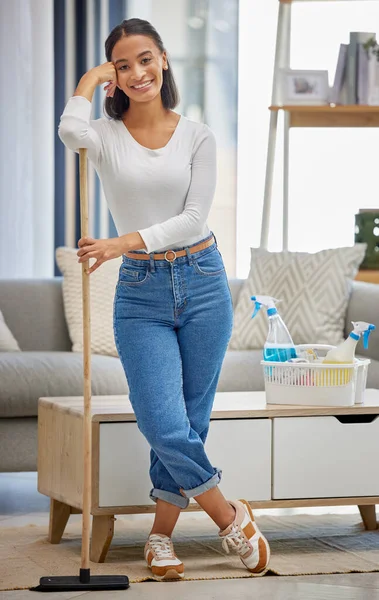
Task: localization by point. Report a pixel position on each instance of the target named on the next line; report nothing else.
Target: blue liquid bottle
(279, 346)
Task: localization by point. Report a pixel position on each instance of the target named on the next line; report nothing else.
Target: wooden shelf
(367, 275)
(331, 116)
(291, 1)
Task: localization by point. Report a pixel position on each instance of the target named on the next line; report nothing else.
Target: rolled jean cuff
(204, 487)
(169, 497)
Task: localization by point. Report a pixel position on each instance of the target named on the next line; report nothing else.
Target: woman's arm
(87, 86)
(75, 128)
(198, 202)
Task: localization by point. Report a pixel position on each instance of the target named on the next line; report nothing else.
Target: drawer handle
(356, 418)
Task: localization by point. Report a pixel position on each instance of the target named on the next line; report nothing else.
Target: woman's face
(138, 61)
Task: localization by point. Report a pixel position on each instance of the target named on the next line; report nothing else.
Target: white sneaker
(244, 537)
(161, 558)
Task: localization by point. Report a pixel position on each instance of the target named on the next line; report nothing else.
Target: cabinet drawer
(124, 461)
(324, 457)
(241, 448)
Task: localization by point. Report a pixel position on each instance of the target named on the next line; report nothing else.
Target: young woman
(173, 311)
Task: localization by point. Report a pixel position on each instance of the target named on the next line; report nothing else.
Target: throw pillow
(8, 342)
(314, 289)
(103, 283)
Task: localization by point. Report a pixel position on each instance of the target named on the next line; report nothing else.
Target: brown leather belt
(175, 253)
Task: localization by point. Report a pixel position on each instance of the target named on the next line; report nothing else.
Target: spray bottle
(344, 353)
(279, 346)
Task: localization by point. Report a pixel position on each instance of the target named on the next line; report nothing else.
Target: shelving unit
(300, 116)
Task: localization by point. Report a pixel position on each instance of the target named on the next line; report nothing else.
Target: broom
(84, 581)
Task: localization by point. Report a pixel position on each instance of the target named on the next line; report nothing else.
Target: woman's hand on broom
(102, 250)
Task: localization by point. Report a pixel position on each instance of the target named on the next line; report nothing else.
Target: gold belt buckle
(168, 260)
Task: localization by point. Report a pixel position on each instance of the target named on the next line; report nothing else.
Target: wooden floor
(20, 503)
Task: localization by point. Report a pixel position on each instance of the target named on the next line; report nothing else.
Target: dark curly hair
(116, 106)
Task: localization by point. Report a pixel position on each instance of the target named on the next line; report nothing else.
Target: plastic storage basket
(315, 383)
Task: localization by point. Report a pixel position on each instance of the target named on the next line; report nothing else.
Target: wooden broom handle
(87, 431)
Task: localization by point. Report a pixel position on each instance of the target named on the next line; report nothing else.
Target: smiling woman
(139, 74)
(185, 147)
(173, 309)
(140, 58)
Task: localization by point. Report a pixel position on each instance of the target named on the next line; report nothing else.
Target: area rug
(300, 545)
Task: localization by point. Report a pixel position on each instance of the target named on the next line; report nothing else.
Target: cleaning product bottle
(279, 346)
(344, 353)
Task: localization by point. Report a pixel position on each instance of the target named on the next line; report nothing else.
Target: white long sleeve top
(164, 194)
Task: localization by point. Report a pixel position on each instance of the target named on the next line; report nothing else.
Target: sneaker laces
(162, 546)
(236, 540)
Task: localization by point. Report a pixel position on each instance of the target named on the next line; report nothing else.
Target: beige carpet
(300, 545)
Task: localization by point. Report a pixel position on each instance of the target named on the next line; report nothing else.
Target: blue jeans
(172, 325)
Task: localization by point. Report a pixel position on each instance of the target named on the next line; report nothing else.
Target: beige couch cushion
(103, 283)
(8, 342)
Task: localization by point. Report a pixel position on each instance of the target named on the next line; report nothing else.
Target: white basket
(315, 384)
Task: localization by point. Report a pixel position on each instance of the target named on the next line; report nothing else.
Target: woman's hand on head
(106, 73)
(102, 250)
(97, 76)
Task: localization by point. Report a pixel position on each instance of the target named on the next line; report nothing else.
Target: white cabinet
(328, 456)
(311, 457)
(241, 448)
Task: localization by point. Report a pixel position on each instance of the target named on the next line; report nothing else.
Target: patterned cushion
(102, 290)
(8, 342)
(314, 289)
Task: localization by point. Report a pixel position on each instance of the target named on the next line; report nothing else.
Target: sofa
(33, 310)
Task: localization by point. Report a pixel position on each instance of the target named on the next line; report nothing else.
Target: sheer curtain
(332, 171)
(27, 139)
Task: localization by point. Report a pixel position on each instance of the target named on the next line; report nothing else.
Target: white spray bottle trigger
(267, 301)
(363, 328)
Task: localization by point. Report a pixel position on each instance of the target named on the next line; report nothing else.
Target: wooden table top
(232, 405)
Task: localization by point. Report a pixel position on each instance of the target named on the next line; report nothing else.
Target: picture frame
(307, 87)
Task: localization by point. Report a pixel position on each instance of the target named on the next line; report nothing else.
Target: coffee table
(303, 456)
